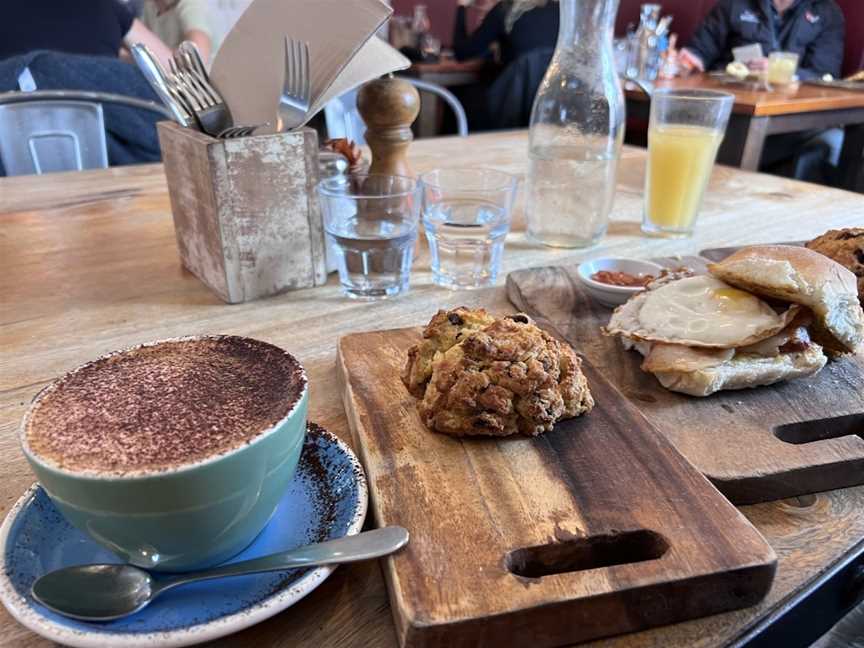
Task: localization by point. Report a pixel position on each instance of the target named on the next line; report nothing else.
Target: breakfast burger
(765, 314)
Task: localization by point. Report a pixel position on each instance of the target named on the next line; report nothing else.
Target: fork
(192, 85)
(161, 84)
(237, 131)
(296, 86)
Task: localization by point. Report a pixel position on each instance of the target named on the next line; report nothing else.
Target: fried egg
(698, 311)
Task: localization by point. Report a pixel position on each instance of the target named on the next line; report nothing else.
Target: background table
(758, 113)
(450, 72)
(90, 265)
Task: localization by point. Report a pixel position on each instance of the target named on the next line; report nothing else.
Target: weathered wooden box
(245, 210)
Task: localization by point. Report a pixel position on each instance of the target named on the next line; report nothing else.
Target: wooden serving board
(597, 528)
(755, 445)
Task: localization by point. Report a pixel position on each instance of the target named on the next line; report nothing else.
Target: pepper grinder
(389, 106)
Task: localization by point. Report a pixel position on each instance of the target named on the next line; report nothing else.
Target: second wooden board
(755, 445)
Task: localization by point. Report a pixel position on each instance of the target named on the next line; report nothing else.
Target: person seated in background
(94, 27)
(813, 29)
(175, 21)
(525, 32)
(517, 26)
(64, 45)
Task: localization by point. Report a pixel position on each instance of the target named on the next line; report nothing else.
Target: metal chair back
(344, 120)
(49, 136)
(46, 131)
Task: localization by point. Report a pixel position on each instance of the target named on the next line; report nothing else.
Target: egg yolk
(706, 311)
(732, 299)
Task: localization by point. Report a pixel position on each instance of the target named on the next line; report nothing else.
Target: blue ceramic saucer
(327, 499)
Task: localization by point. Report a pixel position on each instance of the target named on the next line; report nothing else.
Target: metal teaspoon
(107, 592)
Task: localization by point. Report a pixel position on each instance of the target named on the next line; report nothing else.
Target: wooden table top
(449, 72)
(796, 99)
(90, 265)
(446, 65)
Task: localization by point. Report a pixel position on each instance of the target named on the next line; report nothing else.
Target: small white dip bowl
(610, 295)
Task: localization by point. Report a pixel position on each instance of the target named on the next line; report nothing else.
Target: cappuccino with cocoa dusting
(163, 405)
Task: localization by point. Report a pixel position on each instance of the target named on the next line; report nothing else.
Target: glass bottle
(420, 24)
(577, 130)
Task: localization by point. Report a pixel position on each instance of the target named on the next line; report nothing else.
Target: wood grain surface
(793, 438)
(593, 529)
(89, 264)
(794, 99)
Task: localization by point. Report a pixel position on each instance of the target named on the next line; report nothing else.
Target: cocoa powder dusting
(159, 406)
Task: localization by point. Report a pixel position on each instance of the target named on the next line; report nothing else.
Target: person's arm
(138, 33)
(202, 41)
(194, 20)
(477, 44)
(709, 41)
(690, 61)
(825, 54)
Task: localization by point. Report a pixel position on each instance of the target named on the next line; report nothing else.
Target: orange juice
(782, 67)
(680, 159)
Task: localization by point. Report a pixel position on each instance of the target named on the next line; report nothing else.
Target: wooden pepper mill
(389, 106)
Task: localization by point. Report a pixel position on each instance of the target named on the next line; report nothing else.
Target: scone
(846, 247)
(507, 377)
(444, 330)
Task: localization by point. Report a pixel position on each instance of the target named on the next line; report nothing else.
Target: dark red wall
(854, 11)
(441, 14)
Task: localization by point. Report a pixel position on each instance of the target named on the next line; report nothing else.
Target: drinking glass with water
(466, 215)
(371, 221)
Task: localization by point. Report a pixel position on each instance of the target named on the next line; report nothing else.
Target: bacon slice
(795, 337)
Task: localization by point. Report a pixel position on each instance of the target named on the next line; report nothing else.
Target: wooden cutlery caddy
(245, 210)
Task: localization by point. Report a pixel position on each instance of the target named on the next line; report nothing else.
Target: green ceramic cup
(185, 518)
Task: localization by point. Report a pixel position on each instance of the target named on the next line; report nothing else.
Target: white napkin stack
(343, 50)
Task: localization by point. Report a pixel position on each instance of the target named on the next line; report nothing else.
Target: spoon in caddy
(108, 592)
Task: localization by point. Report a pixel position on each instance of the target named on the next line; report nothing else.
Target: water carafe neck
(586, 23)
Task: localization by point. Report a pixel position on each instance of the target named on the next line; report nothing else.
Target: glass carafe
(577, 129)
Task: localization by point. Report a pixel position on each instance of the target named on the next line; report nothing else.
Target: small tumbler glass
(782, 67)
(371, 222)
(684, 134)
(466, 215)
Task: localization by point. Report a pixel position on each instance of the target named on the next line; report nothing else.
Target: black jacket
(94, 27)
(535, 29)
(511, 97)
(814, 29)
(131, 131)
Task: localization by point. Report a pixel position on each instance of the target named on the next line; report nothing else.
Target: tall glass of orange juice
(684, 133)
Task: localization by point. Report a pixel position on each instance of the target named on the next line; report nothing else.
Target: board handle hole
(587, 553)
(821, 429)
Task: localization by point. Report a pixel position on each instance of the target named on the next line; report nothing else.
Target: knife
(155, 75)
